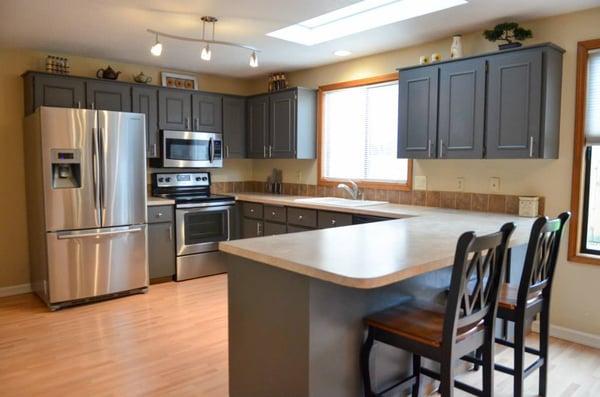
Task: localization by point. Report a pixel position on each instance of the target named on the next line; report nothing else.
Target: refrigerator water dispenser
(66, 168)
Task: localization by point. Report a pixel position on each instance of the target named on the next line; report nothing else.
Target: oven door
(200, 229)
(186, 149)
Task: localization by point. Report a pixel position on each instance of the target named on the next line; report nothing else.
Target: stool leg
(446, 377)
(365, 353)
(417, 374)
(487, 357)
(544, 328)
(519, 357)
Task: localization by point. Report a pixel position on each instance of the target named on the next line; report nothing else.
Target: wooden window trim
(574, 254)
(369, 184)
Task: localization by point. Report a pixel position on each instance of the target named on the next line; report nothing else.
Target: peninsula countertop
(375, 254)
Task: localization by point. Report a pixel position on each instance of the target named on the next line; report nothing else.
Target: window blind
(360, 133)
(592, 100)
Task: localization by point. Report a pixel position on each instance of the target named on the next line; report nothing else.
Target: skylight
(359, 17)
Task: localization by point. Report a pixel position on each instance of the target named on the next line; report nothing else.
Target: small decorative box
(528, 206)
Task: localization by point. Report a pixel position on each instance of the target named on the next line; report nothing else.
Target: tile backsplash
(499, 203)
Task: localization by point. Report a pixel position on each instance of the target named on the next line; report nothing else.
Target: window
(359, 133)
(584, 236)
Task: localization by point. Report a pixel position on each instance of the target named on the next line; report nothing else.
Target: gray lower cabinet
(252, 228)
(161, 242)
(297, 229)
(417, 112)
(174, 110)
(207, 112)
(234, 127)
(104, 95)
(145, 100)
(461, 109)
(272, 228)
(258, 127)
(56, 91)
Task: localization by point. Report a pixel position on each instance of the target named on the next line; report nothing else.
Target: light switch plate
(494, 184)
(420, 183)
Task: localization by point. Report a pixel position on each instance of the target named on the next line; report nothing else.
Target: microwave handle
(211, 150)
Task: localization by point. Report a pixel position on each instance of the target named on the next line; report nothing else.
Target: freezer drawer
(95, 262)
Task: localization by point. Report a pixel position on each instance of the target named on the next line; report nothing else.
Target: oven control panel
(183, 179)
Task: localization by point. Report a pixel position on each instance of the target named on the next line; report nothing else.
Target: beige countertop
(151, 201)
(375, 254)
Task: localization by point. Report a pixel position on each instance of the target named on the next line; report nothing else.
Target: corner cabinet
(234, 127)
(499, 105)
(258, 126)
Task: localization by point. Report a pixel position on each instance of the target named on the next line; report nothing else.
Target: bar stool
(447, 334)
(522, 303)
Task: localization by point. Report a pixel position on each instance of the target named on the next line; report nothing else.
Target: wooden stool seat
(418, 320)
(508, 297)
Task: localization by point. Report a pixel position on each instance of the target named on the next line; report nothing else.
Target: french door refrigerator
(86, 185)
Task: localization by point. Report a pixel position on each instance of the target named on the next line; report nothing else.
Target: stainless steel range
(202, 220)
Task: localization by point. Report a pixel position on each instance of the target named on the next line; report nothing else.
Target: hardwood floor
(173, 342)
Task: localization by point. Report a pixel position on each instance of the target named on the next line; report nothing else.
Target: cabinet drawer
(275, 214)
(302, 217)
(296, 229)
(272, 229)
(253, 210)
(160, 213)
(333, 219)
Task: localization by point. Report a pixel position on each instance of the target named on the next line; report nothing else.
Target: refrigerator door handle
(79, 234)
(102, 167)
(95, 173)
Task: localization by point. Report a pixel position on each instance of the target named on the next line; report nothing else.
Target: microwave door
(121, 139)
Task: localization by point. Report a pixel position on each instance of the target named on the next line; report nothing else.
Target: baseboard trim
(15, 290)
(571, 335)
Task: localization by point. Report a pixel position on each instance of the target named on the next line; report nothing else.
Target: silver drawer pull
(251, 210)
(273, 213)
(300, 217)
(333, 221)
(159, 214)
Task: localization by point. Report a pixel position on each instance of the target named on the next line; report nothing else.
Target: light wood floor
(173, 342)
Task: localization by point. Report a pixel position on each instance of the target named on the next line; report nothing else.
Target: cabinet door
(161, 250)
(58, 91)
(417, 112)
(207, 112)
(258, 125)
(103, 95)
(514, 104)
(252, 228)
(234, 127)
(461, 109)
(174, 110)
(145, 100)
(272, 229)
(282, 125)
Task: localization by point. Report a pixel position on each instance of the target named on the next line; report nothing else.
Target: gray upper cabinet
(417, 112)
(498, 105)
(145, 100)
(56, 91)
(234, 126)
(461, 109)
(282, 128)
(207, 112)
(258, 126)
(174, 110)
(103, 95)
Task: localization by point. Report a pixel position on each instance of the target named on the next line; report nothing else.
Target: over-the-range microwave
(188, 149)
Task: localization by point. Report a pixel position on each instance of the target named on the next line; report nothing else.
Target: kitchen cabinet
(145, 100)
(500, 105)
(282, 124)
(174, 110)
(51, 90)
(461, 109)
(417, 112)
(234, 126)
(302, 217)
(105, 95)
(258, 126)
(272, 228)
(328, 219)
(161, 244)
(207, 112)
(252, 228)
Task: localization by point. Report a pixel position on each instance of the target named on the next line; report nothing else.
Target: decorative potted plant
(508, 32)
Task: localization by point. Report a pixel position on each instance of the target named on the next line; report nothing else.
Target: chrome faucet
(353, 191)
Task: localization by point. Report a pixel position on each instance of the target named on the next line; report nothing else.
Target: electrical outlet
(494, 184)
(460, 184)
(420, 183)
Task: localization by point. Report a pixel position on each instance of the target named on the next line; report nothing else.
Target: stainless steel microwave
(187, 149)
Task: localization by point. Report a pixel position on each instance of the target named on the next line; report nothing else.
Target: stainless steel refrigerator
(86, 198)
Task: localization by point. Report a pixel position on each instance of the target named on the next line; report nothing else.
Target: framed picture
(176, 80)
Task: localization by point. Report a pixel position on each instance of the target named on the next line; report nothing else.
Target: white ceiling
(116, 29)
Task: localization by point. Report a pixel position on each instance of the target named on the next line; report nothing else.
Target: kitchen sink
(339, 202)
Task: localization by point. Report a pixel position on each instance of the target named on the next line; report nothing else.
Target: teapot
(107, 73)
(142, 78)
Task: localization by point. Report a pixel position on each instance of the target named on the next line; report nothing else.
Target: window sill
(586, 259)
(405, 187)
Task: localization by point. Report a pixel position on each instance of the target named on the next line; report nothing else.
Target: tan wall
(576, 302)
(13, 230)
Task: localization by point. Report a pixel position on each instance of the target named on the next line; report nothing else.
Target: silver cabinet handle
(92, 106)
(170, 233)
(441, 148)
(429, 148)
(531, 140)
(252, 210)
(264, 151)
(186, 123)
(273, 213)
(299, 217)
(270, 151)
(159, 214)
(227, 151)
(258, 229)
(154, 151)
(78, 104)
